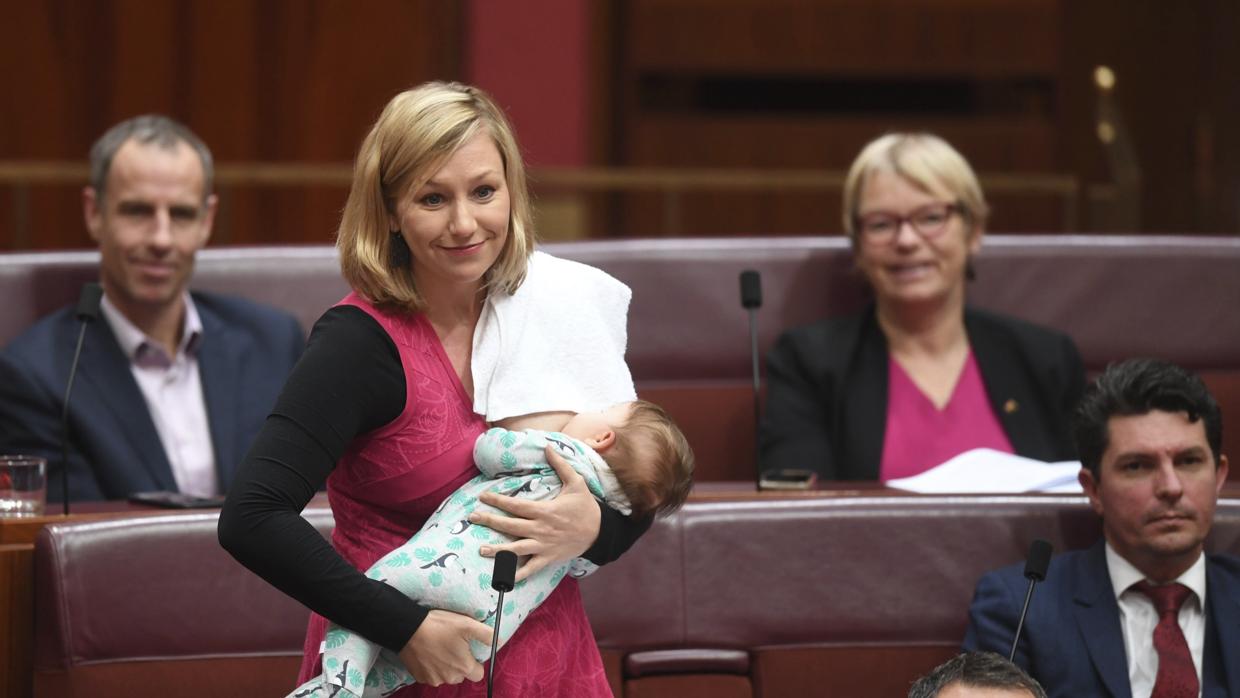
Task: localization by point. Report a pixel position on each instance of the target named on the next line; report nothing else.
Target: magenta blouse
(920, 436)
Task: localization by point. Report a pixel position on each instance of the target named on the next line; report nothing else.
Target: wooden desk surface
(728, 490)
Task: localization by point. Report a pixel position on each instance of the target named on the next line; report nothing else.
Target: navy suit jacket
(1072, 642)
(246, 354)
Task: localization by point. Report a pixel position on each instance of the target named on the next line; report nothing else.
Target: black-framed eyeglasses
(929, 221)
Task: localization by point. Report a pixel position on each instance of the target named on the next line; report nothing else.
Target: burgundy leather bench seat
(1117, 296)
(833, 595)
(150, 605)
(844, 594)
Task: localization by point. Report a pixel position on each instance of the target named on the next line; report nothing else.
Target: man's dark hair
(975, 670)
(1136, 387)
(148, 129)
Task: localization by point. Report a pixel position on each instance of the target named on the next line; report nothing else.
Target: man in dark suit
(1145, 612)
(172, 386)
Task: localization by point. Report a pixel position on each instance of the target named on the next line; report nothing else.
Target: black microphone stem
(757, 400)
(751, 300)
(495, 646)
(1036, 565)
(64, 422)
(1021, 623)
(87, 311)
(503, 579)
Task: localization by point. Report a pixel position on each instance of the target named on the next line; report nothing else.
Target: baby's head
(645, 449)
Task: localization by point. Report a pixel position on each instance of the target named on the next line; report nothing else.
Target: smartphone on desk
(176, 500)
(788, 479)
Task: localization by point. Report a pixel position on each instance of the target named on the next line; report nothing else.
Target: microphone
(751, 300)
(751, 289)
(87, 312)
(503, 579)
(1035, 571)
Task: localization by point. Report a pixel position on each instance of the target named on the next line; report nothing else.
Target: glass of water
(23, 485)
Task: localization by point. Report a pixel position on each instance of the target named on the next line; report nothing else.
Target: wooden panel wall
(773, 84)
(259, 80)
(1177, 66)
(805, 83)
(799, 84)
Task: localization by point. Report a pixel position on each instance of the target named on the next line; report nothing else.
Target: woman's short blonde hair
(926, 161)
(415, 135)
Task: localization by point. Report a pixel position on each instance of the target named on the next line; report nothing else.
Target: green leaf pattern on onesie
(440, 566)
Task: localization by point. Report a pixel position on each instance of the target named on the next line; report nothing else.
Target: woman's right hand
(438, 653)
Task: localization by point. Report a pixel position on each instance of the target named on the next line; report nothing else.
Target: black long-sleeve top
(349, 381)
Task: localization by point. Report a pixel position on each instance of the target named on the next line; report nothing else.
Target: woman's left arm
(574, 524)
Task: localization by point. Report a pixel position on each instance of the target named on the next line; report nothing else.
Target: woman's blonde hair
(417, 132)
(926, 161)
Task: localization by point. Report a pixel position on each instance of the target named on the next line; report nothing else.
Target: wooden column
(17, 603)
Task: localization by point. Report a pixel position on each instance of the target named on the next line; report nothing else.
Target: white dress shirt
(1138, 618)
(172, 389)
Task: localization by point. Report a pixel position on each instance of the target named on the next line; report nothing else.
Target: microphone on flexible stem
(87, 312)
(503, 579)
(1035, 571)
(751, 300)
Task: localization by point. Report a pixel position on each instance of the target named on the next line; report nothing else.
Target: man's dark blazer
(826, 407)
(1072, 642)
(246, 354)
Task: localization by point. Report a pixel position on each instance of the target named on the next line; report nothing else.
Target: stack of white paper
(985, 470)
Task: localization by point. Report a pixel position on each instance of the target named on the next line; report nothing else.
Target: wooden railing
(21, 178)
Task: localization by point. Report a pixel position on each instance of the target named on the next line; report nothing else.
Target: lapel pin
(1010, 406)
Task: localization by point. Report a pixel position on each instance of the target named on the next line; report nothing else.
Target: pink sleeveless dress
(390, 481)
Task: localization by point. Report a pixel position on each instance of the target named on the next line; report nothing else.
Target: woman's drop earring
(398, 251)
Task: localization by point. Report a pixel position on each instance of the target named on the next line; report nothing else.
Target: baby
(633, 458)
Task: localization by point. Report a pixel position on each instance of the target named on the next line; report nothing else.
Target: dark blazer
(247, 351)
(826, 407)
(1072, 642)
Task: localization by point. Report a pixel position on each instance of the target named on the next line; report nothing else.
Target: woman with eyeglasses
(919, 376)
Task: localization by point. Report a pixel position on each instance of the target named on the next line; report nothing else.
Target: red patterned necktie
(1177, 677)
